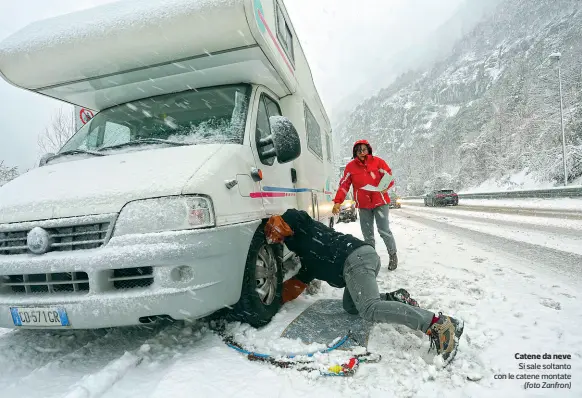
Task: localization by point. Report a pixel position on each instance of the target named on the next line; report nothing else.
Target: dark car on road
(441, 197)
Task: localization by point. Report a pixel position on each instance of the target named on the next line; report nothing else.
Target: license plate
(39, 316)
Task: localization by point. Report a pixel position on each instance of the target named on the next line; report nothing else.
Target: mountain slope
(491, 108)
(427, 50)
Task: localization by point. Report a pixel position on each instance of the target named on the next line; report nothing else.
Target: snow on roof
(120, 36)
(102, 20)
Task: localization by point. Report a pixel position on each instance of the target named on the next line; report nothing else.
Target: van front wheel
(262, 284)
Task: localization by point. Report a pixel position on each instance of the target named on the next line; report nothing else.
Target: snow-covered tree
(7, 173)
(491, 109)
(54, 136)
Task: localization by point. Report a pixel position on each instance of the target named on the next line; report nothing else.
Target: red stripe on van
(271, 194)
(275, 41)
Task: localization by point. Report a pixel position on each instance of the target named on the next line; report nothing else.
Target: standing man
(364, 173)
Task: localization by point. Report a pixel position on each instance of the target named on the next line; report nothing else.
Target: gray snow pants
(380, 213)
(361, 294)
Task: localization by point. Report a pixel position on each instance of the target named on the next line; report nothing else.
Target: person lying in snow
(344, 261)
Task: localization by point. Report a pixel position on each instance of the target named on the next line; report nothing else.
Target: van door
(278, 191)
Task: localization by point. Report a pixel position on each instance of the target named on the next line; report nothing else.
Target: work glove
(277, 230)
(336, 208)
(292, 289)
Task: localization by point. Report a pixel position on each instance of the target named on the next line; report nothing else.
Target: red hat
(358, 143)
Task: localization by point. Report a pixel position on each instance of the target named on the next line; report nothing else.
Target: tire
(264, 274)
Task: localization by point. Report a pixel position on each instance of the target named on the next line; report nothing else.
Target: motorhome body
(154, 207)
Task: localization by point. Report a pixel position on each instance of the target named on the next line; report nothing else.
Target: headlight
(172, 213)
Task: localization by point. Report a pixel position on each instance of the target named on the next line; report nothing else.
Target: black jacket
(322, 250)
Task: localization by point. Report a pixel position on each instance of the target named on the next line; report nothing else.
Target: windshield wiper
(144, 141)
(74, 152)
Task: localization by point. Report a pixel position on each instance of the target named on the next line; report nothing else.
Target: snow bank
(521, 180)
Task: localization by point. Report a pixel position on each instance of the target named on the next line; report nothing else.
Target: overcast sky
(343, 40)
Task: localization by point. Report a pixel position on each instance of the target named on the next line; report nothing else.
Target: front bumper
(212, 261)
(447, 201)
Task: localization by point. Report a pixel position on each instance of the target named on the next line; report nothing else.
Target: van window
(267, 108)
(284, 34)
(115, 134)
(214, 115)
(313, 134)
(328, 147)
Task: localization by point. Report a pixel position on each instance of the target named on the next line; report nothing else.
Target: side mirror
(284, 138)
(44, 159)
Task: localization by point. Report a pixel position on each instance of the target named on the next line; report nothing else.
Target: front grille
(13, 242)
(57, 282)
(64, 236)
(131, 278)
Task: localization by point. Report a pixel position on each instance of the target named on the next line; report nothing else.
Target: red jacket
(359, 174)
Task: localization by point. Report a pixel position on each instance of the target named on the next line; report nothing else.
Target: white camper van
(207, 121)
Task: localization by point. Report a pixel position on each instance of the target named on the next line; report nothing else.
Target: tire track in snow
(25, 351)
(510, 223)
(168, 343)
(54, 364)
(522, 211)
(107, 353)
(157, 357)
(557, 261)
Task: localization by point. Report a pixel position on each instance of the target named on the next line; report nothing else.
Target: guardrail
(567, 192)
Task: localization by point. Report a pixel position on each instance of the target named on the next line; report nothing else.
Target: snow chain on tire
(290, 361)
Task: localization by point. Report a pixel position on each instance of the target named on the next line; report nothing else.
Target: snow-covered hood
(99, 185)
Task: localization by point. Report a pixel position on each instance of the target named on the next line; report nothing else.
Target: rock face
(491, 109)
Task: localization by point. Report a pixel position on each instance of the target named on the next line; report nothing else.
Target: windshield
(213, 115)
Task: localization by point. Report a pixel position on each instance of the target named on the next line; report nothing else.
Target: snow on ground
(509, 306)
(452, 110)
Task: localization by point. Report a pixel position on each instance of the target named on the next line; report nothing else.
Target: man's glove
(292, 289)
(277, 230)
(336, 208)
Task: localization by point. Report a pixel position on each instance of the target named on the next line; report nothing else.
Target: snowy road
(517, 291)
(565, 214)
(554, 245)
